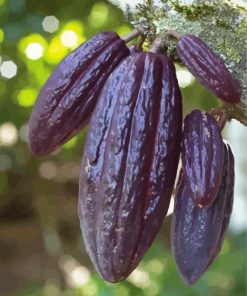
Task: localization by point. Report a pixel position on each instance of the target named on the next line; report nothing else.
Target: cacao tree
(131, 152)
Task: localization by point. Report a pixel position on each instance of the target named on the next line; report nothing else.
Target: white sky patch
(236, 135)
(34, 51)
(8, 134)
(75, 273)
(8, 69)
(69, 38)
(139, 278)
(50, 24)
(185, 78)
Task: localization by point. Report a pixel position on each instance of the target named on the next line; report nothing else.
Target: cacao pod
(208, 68)
(197, 234)
(68, 97)
(202, 156)
(129, 163)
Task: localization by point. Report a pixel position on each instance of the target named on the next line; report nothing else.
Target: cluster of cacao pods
(133, 103)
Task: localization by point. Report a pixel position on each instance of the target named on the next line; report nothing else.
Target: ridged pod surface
(202, 156)
(197, 234)
(68, 97)
(129, 163)
(208, 68)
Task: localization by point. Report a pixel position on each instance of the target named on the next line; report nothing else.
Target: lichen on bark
(222, 24)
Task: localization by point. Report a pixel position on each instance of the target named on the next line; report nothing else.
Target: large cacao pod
(68, 97)
(208, 68)
(197, 234)
(202, 156)
(129, 163)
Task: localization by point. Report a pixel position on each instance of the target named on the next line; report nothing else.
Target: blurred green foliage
(157, 275)
(41, 194)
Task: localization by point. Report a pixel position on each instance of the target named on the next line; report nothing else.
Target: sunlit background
(41, 248)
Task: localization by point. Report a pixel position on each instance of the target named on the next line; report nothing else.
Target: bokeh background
(41, 247)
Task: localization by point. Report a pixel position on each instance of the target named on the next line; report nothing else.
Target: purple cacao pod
(197, 234)
(202, 156)
(208, 68)
(68, 97)
(129, 163)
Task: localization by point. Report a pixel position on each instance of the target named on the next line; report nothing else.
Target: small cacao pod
(202, 156)
(208, 68)
(197, 234)
(68, 97)
(129, 163)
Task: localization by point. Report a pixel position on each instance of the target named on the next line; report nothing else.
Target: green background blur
(41, 247)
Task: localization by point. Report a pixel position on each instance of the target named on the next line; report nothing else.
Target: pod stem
(158, 44)
(174, 34)
(162, 41)
(138, 31)
(220, 116)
